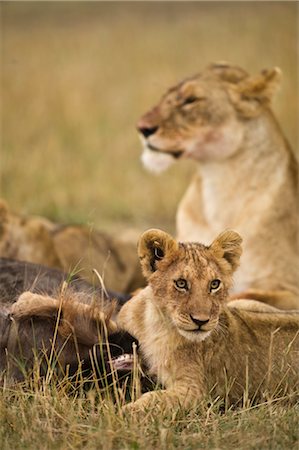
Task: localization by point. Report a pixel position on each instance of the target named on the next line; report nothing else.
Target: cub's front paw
(144, 405)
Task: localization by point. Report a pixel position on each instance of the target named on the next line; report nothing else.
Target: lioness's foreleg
(251, 305)
(278, 299)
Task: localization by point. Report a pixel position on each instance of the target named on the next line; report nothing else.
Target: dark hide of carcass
(55, 324)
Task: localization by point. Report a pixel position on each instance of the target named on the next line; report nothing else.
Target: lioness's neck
(257, 169)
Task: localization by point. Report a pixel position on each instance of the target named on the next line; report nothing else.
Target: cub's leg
(166, 401)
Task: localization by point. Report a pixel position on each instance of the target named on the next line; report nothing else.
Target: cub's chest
(159, 348)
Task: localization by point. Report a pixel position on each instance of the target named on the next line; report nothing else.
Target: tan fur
(247, 176)
(114, 257)
(71, 247)
(233, 353)
(27, 238)
(252, 305)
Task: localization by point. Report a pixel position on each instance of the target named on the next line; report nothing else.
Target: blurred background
(76, 76)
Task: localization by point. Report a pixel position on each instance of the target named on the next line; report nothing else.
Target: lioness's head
(190, 281)
(205, 117)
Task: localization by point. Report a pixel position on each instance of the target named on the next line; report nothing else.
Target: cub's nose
(198, 322)
(146, 130)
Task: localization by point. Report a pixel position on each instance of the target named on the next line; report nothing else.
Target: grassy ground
(48, 417)
(75, 78)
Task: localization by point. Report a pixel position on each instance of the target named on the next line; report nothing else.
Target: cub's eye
(181, 284)
(214, 285)
(158, 252)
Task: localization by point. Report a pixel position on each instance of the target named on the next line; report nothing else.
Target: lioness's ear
(228, 246)
(227, 72)
(252, 92)
(153, 246)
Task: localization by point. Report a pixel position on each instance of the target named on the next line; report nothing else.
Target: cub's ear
(154, 246)
(253, 92)
(228, 246)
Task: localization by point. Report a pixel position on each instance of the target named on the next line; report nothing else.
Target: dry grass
(47, 416)
(76, 77)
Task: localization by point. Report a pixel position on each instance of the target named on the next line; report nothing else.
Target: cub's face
(203, 117)
(191, 290)
(190, 282)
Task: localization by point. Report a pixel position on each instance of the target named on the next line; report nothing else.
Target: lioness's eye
(214, 285)
(181, 284)
(189, 100)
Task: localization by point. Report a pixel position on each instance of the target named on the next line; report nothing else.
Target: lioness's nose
(198, 322)
(146, 130)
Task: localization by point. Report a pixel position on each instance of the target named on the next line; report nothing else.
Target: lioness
(247, 176)
(191, 341)
(69, 247)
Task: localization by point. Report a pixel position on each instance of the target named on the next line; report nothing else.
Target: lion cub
(191, 341)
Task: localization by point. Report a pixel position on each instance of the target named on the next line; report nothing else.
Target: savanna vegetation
(52, 416)
(75, 77)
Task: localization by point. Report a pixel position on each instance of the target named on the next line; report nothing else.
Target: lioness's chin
(156, 162)
(195, 336)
